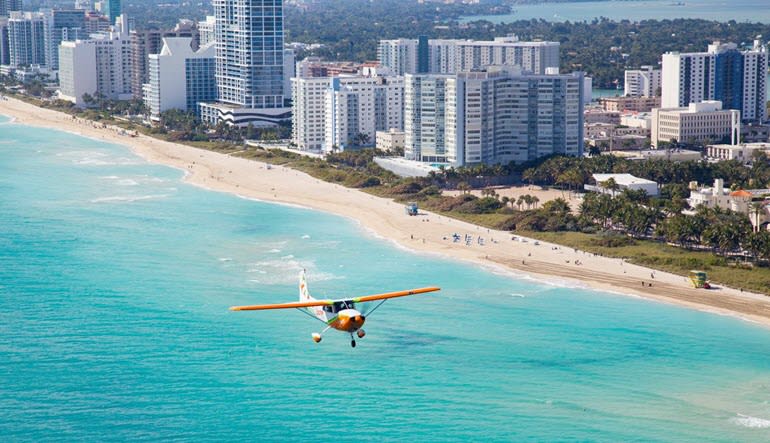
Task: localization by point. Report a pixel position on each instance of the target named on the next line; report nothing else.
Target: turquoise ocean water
(115, 279)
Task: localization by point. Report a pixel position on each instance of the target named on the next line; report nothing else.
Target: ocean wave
(129, 198)
(285, 271)
(305, 236)
(751, 422)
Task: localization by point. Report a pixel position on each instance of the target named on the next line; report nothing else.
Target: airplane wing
(388, 295)
(299, 304)
(309, 304)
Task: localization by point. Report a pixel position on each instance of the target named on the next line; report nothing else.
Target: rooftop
(623, 179)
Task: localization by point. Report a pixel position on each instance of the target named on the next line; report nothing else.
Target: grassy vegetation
(667, 258)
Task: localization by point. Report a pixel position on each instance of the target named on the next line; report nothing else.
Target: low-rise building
(619, 142)
(623, 181)
(679, 155)
(743, 152)
(695, 124)
(755, 203)
(755, 133)
(642, 120)
(391, 140)
(598, 115)
(636, 104)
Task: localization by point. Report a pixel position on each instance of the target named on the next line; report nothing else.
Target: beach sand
(428, 233)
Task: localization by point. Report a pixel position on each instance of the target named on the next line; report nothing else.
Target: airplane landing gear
(352, 343)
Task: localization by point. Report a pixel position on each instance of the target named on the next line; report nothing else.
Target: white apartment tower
(399, 55)
(101, 65)
(455, 56)
(642, 82)
(497, 116)
(345, 112)
(724, 73)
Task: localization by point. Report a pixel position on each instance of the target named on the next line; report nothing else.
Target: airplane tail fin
(304, 293)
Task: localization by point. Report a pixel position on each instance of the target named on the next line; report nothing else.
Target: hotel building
(180, 77)
(249, 63)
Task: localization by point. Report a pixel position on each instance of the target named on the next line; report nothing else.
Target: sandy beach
(427, 233)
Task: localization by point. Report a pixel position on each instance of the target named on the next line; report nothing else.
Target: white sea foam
(285, 271)
(751, 422)
(305, 236)
(274, 250)
(127, 182)
(225, 259)
(128, 198)
(516, 295)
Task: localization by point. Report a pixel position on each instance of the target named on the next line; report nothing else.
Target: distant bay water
(115, 279)
(719, 10)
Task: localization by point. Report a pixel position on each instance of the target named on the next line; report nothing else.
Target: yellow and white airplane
(341, 314)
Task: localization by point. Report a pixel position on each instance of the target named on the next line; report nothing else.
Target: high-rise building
(5, 55)
(112, 9)
(400, 55)
(736, 78)
(145, 43)
(344, 112)
(407, 56)
(497, 116)
(101, 64)
(26, 39)
(250, 65)
(96, 22)
(61, 25)
(8, 6)
(642, 82)
(178, 61)
(206, 30)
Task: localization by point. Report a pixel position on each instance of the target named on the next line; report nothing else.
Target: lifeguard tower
(699, 279)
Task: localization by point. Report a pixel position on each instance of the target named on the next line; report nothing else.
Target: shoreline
(541, 262)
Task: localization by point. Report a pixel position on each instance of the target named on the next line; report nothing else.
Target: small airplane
(341, 314)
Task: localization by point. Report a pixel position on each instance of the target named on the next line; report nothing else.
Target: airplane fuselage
(348, 320)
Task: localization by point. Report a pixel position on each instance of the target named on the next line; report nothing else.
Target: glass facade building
(249, 53)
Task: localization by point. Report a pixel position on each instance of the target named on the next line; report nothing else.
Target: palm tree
(520, 201)
(757, 208)
(611, 185)
(464, 187)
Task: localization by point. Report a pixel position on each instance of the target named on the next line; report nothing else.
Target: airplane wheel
(352, 343)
